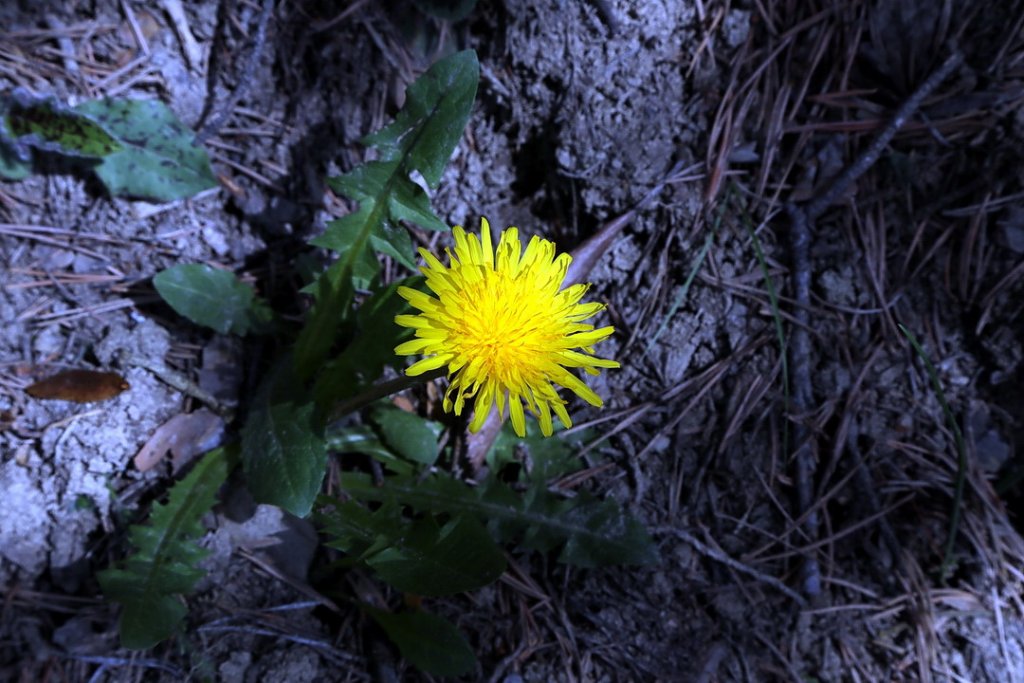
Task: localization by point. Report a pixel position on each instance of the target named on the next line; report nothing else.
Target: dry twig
(802, 221)
(178, 381)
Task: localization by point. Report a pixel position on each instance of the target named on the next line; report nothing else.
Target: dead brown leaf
(80, 386)
(184, 436)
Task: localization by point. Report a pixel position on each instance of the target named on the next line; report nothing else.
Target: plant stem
(380, 390)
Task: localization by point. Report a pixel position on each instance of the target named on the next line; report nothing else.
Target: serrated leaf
(370, 185)
(421, 139)
(410, 436)
(428, 642)
(44, 123)
(612, 536)
(432, 561)
(213, 298)
(160, 158)
(594, 533)
(284, 454)
(413, 556)
(149, 582)
(410, 203)
(418, 556)
(338, 238)
(358, 531)
(144, 623)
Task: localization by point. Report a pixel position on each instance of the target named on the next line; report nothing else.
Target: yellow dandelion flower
(505, 328)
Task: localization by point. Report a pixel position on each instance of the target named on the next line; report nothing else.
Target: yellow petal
(427, 364)
(570, 381)
(413, 346)
(575, 359)
(418, 299)
(563, 415)
(515, 411)
(546, 428)
(482, 409)
(414, 321)
(485, 242)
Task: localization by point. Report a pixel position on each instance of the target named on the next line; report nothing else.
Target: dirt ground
(583, 107)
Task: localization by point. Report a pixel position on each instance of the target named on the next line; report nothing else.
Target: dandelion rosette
(504, 327)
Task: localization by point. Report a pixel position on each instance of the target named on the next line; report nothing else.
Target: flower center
(503, 328)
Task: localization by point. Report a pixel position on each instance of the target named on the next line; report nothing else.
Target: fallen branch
(218, 117)
(802, 221)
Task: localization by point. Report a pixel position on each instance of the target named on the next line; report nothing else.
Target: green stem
(381, 390)
(961, 474)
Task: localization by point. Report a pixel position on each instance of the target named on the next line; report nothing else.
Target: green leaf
(611, 536)
(364, 184)
(593, 533)
(160, 159)
(339, 238)
(421, 139)
(547, 457)
(432, 561)
(428, 642)
(437, 106)
(409, 435)
(376, 319)
(46, 124)
(284, 454)
(164, 564)
(213, 298)
(12, 167)
(144, 623)
(371, 349)
(421, 556)
(358, 531)
(362, 439)
(333, 292)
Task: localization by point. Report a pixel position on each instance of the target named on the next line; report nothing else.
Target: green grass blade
(961, 447)
(780, 333)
